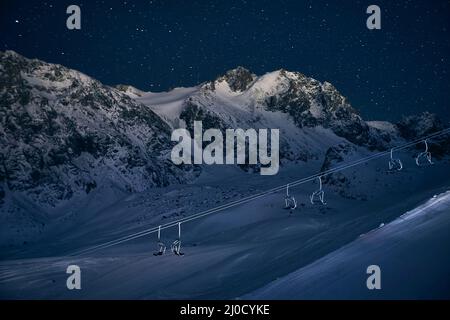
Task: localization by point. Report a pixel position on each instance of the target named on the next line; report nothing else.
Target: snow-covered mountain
(282, 99)
(312, 116)
(66, 137)
(64, 134)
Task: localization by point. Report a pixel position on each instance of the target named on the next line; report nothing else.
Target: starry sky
(161, 44)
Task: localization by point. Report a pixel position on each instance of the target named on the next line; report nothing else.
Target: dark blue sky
(156, 45)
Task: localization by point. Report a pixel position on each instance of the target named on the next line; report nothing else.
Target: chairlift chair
(426, 155)
(176, 245)
(161, 245)
(318, 195)
(395, 163)
(289, 201)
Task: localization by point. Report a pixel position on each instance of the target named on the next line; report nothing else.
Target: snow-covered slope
(231, 253)
(168, 105)
(412, 253)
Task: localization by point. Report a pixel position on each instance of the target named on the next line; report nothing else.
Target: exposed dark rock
(61, 131)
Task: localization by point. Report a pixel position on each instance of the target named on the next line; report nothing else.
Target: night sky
(157, 45)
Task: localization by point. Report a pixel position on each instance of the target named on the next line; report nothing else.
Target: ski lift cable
(255, 196)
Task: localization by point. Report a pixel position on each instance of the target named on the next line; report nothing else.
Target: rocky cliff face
(64, 133)
(308, 102)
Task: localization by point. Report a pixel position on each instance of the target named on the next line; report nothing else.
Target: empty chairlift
(161, 245)
(318, 196)
(289, 201)
(176, 245)
(424, 157)
(395, 163)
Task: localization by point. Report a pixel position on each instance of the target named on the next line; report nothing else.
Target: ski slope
(412, 252)
(227, 255)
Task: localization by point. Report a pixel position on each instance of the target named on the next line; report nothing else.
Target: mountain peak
(238, 79)
(238, 70)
